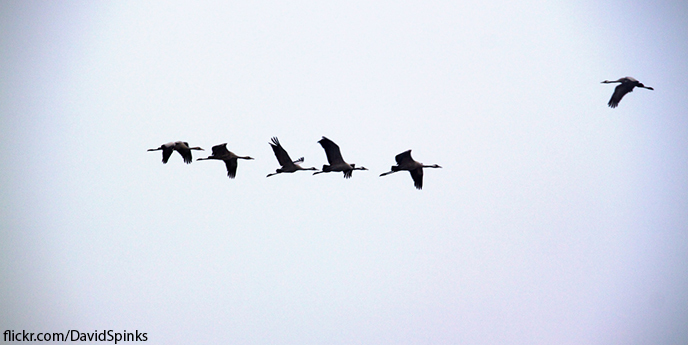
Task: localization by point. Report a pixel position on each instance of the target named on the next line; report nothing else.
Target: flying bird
(334, 157)
(220, 152)
(405, 162)
(626, 86)
(180, 146)
(288, 166)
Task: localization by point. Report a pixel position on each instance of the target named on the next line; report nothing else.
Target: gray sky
(555, 219)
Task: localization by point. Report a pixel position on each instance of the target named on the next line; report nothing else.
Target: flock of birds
(334, 155)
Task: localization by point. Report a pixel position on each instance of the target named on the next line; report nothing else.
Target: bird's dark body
(220, 152)
(334, 157)
(406, 162)
(180, 146)
(627, 84)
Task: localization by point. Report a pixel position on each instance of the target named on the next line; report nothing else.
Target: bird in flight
(626, 85)
(405, 162)
(334, 157)
(288, 166)
(220, 152)
(180, 146)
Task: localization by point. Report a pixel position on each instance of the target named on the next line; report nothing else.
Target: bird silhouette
(334, 157)
(405, 162)
(626, 86)
(220, 152)
(180, 146)
(288, 166)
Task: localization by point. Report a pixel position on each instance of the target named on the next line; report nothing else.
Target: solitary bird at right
(405, 162)
(626, 86)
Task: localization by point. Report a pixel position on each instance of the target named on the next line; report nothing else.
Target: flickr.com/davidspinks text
(75, 335)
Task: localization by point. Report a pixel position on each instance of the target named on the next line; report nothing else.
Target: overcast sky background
(555, 219)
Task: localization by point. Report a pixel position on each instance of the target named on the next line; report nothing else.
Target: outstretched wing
(185, 152)
(620, 91)
(231, 167)
(402, 157)
(280, 153)
(220, 150)
(334, 156)
(417, 176)
(166, 153)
